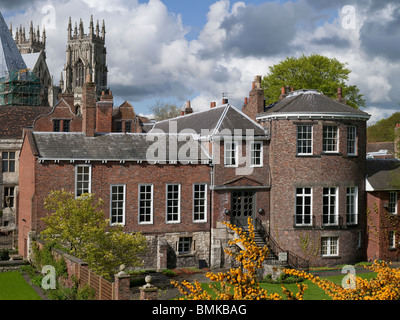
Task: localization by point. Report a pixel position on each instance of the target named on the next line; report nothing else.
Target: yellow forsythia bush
(237, 283)
(385, 286)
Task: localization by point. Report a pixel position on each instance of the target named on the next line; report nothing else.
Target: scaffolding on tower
(20, 88)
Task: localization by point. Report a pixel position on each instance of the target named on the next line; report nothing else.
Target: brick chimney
(188, 108)
(104, 112)
(89, 107)
(256, 102)
(213, 104)
(340, 97)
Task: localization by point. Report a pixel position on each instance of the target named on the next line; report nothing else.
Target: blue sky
(179, 50)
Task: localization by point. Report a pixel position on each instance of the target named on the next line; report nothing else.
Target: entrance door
(242, 207)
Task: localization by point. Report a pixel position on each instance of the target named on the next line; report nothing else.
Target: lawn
(14, 287)
(312, 292)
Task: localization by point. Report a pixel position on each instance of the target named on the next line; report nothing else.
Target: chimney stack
(340, 97)
(104, 110)
(224, 101)
(256, 101)
(188, 108)
(89, 107)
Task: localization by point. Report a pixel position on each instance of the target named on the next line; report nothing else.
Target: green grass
(14, 287)
(312, 292)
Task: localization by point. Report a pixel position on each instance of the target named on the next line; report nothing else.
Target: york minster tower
(85, 55)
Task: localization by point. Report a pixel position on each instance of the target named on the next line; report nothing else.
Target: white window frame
(151, 202)
(335, 214)
(303, 195)
(178, 206)
(352, 205)
(305, 142)
(228, 158)
(200, 199)
(392, 204)
(253, 153)
(76, 179)
(330, 138)
(392, 239)
(352, 140)
(117, 201)
(330, 246)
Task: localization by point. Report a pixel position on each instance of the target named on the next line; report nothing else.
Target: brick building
(175, 183)
(301, 172)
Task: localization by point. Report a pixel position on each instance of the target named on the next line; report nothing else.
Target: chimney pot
(283, 90)
(246, 101)
(182, 113)
(212, 105)
(339, 92)
(224, 101)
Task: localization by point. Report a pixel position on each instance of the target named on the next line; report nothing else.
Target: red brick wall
(379, 223)
(51, 176)
(26, 199)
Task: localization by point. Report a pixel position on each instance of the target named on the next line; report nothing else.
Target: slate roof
(13, 119)
(383, 174)
(309, 101)
(10, 57)
(212, 121)
(114, 147)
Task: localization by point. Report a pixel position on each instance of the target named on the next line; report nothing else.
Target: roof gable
(214, 121)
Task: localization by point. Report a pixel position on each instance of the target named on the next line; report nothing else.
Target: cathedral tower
(86, 55)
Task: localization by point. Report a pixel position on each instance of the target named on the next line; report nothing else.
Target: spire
(97, 28)
(43, 35)
(10, 57)
(31, 34)
(103, 30)
(69, 29)
(81, 31)
(91, 28)
(76, 29)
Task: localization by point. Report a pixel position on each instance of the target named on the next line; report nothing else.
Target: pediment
(243, 181)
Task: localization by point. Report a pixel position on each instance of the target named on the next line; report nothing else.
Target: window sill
(186, 255)
(307, 156)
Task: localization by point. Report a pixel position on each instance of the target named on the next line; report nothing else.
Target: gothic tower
(86, 54)
(31, 44)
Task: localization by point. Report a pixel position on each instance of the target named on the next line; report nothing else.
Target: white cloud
(150, 57)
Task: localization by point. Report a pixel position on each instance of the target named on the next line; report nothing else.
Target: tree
(311, 72)
(79, 224)
(163, 111)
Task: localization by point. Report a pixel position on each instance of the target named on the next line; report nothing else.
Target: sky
(172, 51)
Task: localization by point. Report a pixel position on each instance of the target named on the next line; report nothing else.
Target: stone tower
(32, 43)
(85, 55)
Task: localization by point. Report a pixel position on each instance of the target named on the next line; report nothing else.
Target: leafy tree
(163, 111)
(79, 224)
(383, 130)
(311, 72)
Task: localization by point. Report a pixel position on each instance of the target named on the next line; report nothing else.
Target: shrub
(4, 255)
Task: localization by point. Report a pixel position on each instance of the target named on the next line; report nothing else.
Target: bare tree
(163, 110)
